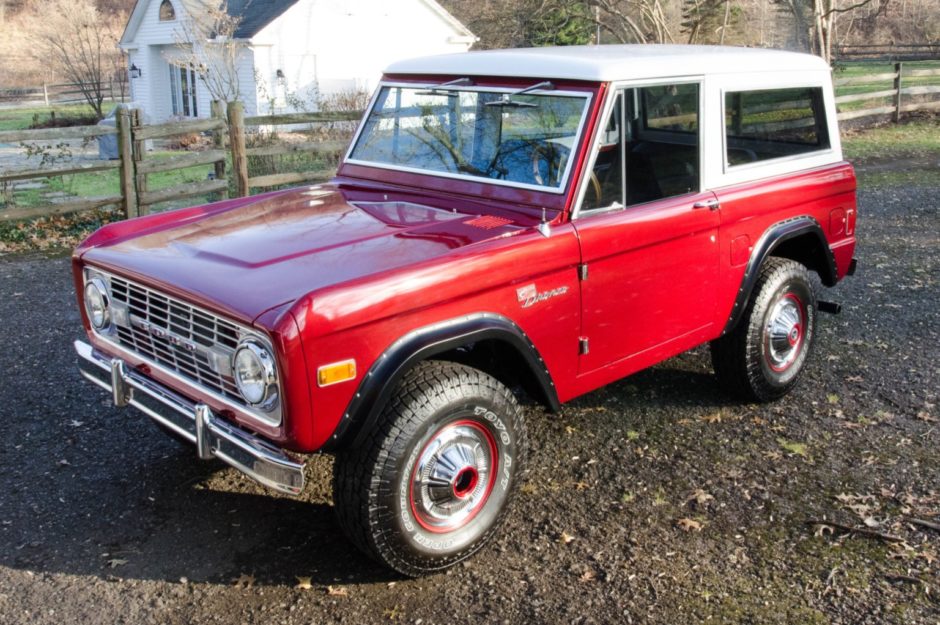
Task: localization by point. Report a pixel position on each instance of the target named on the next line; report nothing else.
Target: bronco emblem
(160, 333)
(529, 295)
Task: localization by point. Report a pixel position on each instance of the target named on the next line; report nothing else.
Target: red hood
(274, 249)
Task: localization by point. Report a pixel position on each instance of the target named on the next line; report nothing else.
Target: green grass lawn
(895, 154)
(105, 183)
(913, 139)
(21, 118)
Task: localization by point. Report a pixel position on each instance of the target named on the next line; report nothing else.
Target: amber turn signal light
(336, 372)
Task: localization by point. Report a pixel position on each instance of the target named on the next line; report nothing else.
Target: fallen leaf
(822, 529)
(832, 398)
(689, 525)
(566, 538)
(700, 497)
(244, 581)
(337, 591)
(304, 583)
(793, 447)
(711, 418)
(588, 576)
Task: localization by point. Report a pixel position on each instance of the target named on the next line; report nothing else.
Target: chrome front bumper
(213, 437)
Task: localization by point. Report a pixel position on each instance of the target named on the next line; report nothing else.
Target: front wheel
(430, 485)
(763, 357)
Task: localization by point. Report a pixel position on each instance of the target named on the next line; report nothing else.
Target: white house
(296, 50)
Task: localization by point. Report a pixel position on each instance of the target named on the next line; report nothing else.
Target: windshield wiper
(460, 82)
(507, 98)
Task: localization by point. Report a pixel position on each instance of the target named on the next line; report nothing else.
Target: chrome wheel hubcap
(453, 476)
(784, 332)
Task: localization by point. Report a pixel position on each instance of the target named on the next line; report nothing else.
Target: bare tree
(74, 36)
(206, 41)
(635, 21)
(701, 18)
(819, 19)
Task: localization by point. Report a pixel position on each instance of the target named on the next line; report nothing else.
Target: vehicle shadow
(158, 513)
(179, 517)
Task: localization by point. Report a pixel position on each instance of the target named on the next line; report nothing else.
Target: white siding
(336, 45)
(321, 46)
(152, 48)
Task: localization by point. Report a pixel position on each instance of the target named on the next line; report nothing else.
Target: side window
(605, 188)
(649, 149)
(662, 147)
(774, 123)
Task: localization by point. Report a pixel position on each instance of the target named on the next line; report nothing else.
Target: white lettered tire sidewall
(806, 297)
(446, 543)
(465, 412)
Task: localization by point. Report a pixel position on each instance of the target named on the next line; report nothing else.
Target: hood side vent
(488, 222)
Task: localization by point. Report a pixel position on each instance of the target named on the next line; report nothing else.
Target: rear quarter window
(774, 123)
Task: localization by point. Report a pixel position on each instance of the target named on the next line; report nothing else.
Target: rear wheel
(429, 487)
(763, 357)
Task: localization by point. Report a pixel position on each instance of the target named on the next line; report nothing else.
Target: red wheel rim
(784, 333)
(453, 476)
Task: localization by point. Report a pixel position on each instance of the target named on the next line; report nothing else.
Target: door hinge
(583, 345)
(583, 272)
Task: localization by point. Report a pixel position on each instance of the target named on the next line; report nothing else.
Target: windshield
(523, 139)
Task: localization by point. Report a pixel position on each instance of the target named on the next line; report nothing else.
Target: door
(183, 91)
(649, 234)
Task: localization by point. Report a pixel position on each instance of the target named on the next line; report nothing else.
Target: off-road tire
(374, 483)
(746, 363)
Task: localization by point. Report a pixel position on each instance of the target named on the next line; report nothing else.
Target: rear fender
(818, 257)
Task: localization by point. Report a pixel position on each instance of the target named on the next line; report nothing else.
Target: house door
(648, 233)
(183, 91)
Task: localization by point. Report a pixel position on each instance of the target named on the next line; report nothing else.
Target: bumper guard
(213, 437)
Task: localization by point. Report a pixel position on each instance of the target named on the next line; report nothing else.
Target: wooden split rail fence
(898, 93)
(227, 127)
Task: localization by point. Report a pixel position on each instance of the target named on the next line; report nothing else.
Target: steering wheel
(596, 186)
(549, 154)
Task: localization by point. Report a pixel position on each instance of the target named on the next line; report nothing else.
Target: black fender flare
(769, 241)
(386, 372)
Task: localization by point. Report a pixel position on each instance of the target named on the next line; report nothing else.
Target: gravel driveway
(657, 499)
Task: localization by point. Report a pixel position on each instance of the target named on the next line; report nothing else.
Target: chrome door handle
(711, 205)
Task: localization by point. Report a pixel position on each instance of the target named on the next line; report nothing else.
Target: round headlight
(97, 303)
(255, 373)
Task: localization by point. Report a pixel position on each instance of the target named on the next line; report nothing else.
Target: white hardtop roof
(607, 63)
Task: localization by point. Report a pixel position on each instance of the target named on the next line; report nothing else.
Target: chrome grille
(195, 344)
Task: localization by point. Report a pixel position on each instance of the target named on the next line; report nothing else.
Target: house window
(183, 91)
(167, 12)
(774, 123)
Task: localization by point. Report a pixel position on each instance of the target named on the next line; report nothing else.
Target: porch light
(134, 71)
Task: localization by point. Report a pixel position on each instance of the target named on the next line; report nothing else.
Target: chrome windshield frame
(587, 96)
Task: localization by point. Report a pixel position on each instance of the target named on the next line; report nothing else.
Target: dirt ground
(655, 500)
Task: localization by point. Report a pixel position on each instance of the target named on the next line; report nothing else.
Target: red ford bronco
(513, 223)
